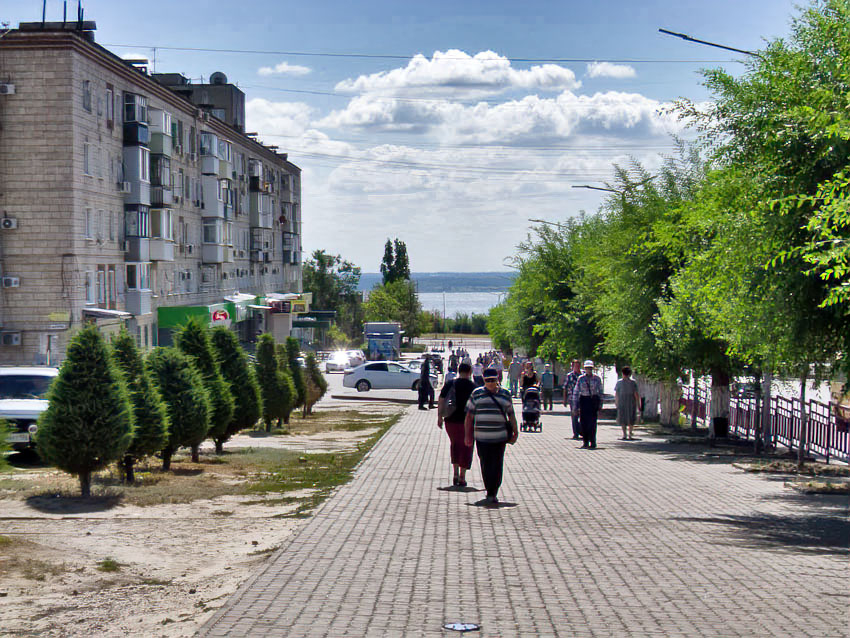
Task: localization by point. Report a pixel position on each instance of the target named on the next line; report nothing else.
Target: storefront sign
(218, 317)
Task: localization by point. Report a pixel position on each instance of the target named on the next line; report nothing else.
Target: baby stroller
(531, 410)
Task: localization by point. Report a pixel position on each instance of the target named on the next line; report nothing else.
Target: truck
(383, 339)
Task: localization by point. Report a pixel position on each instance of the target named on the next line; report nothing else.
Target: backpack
(449, 402)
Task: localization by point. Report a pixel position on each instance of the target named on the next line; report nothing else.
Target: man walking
(569, 386)
(426, 391)
(491, 423)
(588, 396)
(514, 370)
(547, 386)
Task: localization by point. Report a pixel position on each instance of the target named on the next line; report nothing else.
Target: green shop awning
(217, 314)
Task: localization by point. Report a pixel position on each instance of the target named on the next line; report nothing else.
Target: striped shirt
(588, 385)
(491, 426)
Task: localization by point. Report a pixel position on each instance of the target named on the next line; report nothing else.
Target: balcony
(136, 134)
(161, 144)
(212, 253)
(257, 185)
(138, 302)
(161, 250)
(210, 165)
(259, 256)
(260, 210)
(137, 249)
(161, 196)
(229, 254)
(225, 169)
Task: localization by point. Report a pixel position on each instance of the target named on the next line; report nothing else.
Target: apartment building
(131, 199)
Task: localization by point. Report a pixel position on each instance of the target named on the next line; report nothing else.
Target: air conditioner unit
(125, 187)
(7, 89)
(10, 338)
(8, 223)
(11, 282)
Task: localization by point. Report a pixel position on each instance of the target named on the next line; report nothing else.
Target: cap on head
(491, 373)
(588, 364)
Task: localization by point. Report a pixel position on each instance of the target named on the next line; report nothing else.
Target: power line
(375, 56)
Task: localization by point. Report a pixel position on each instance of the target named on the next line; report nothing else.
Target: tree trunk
(766, 400)
(694, 407)
(268, 425)
(166, 459)
(129, 476)
(85, 484)
(670, 395)
(720, 399)
(649, 391)
(196, 454)
(286, 418)
(804, 434)
(219, 446)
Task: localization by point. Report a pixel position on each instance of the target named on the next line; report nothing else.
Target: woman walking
(456, 393)
(627, 400)
(528, 379)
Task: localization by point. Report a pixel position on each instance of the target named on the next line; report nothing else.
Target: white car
(338, 361)
(357, 358)
(22, 400)
(383, 375)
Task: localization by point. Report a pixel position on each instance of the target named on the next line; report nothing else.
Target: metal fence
(828, 433)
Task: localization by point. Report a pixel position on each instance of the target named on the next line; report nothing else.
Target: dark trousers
(587, 420)
(575, 423)
(492, 458)
(426, 394)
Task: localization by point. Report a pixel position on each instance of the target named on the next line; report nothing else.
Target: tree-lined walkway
(632, 539)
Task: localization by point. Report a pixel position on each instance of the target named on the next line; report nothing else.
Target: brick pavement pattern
(631, 539)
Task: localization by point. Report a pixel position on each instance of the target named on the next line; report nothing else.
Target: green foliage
(149, 410)
(333, 282)
(89, 419)
(395, 301)
(240, 377)
(293, 352)
(278, 392)
(395, 265)
(5, 431)
(315, 375)
(461, 323)
(193, 339)
(182, 388)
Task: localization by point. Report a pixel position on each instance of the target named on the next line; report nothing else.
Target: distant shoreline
(431, 282)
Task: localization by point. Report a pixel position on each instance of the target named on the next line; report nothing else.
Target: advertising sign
(219, 316)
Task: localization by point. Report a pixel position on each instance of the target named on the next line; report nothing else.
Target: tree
(395, 265)
(240, 377)
(278, 392)
(149, 410)
(388, 263)
(334, 282)
(395, 301)
(182, 389)
(88, 423)
(293, 353)
(193, 339)
(316, 384)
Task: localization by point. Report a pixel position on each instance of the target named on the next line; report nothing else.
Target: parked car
(22, 400)
(383, 375)
(338, 361)
(358, 357)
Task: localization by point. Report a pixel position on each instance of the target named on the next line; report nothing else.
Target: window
(137, 222)
(144, 164)
(178, 182)
(111, 292)
(162, 223)
(98, 168)
(89, 286)
(86, 157)
(87, 95)
(111, 216)
(110, 106)
(135, 108)
(161, 171)
(228, 234)
(225, 151)
(209, 144)
(87, 230)
(138, 276)
(377, 367)
(212, 231)
(99, 228)
(101, 285)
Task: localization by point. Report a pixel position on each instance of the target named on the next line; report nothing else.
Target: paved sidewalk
(631, 539)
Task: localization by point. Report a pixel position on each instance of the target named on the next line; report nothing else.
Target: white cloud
(284, 68)
(608, 70)
(457, 73)
(277, 118)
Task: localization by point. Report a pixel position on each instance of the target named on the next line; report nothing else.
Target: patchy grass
(785, 466)
(820, 487)
(334, 421)
(15, 558)
(108, 565)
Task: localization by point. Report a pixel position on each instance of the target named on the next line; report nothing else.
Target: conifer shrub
(316, 384)
(193, 339)
(289, 393)
(88, 423)
(276, 386)
(242, 380)
(293, 351)
(149, 410)
(182, 389)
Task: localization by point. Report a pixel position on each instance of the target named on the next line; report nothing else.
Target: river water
(455, 302)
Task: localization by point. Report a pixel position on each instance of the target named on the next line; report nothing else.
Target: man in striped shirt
(491, 421)
(587, 396)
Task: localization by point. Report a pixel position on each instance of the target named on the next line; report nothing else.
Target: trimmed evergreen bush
(289, 394)
(182, 388)
(317, 385)
(193, 339)
(276, 386)
(149, 410)
(239, 375)
(293, 351)
(88, 423)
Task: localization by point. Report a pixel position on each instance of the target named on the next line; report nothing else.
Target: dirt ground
(101, 568)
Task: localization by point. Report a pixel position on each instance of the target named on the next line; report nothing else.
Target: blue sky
(474, 128)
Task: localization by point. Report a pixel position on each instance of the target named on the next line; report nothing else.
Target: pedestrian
(478, 373)
(426, 391)
(455, 394)
(627, 400)
(547, 387)
(569, 386)
(453, 362)
(497, 363)
(529, 378)
(514, 370)
(450, 344)
(588, 396)
(491, 423)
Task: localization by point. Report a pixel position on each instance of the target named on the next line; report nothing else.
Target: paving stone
(632, 539)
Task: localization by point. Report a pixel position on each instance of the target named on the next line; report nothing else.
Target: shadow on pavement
(490, 506)
(808, 533)
(457, 488)
(63, 504)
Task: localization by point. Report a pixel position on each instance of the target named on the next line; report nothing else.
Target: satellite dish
(218, 78)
